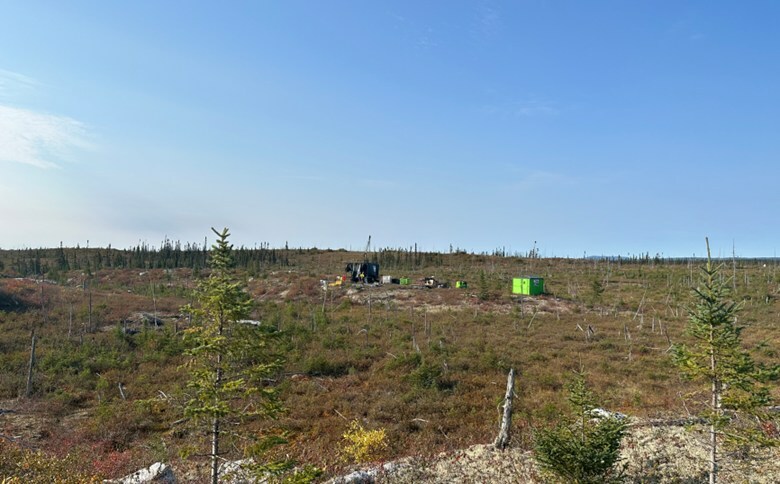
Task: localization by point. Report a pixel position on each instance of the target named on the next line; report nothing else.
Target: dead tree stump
(502, 440)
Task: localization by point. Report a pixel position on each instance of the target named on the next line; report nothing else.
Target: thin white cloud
(12, 83)
(32, 137)
(39, 139)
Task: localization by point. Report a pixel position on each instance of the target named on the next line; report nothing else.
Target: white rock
(357, 477)
(235, 472)
(369, 476)
(251, 322)
(157, 472)
(601, 413)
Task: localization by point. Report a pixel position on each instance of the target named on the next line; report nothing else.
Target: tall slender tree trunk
(154, 298)
(70, 319)
(215, 450)
(713, 454)
(215, 431)
(28, 390)
(43, 304)
(734, 265)
(89, 307)
(715, 404)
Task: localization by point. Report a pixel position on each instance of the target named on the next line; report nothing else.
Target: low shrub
(321, 366)
(361, 445)
(19, 465)
(430, 375)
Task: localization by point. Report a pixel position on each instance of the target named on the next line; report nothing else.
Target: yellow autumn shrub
(361, 445)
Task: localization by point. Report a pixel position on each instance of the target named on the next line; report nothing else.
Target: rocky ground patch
(653, 452)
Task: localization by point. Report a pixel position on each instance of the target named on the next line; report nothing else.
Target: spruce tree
(736, 383)
(230, 359)
(584, 447)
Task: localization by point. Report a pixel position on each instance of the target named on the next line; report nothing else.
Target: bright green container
(461, 284)
(529, 286)
(405, 281)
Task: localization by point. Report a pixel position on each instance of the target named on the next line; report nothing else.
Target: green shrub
(321, 366)
(430, 375)
(407, 361)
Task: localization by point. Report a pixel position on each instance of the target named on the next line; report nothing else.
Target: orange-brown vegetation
(427, 365)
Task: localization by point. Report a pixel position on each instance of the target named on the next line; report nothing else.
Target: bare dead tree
(88, 288)
(427, 325)
(532, 319)
(154, 297)
(641, 303)
(28, 390)
(502, 440)
(43, 304)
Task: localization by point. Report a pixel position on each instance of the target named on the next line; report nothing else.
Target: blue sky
(604, 127)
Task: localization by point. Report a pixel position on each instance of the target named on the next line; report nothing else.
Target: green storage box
(461, 284)
(405, 281)
(529, 286)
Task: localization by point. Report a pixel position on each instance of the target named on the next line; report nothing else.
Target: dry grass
(428, 365)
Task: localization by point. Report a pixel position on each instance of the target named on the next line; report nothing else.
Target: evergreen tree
(581, 449)
(596, 292)
(62, 261)
(230, 359)
(737, 384)
(484, 290)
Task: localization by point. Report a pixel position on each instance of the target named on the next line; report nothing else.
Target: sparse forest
(96, 365)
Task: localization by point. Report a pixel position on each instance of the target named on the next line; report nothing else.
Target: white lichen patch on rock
(652, 452)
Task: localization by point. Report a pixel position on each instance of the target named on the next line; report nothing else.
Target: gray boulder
(237, 472)
(157, 473)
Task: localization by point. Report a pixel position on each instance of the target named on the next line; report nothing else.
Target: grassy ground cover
(427, 365)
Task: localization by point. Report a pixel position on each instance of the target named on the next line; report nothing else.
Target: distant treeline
(170, 255)
(175, 255)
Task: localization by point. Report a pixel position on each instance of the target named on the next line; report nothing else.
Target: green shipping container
(405, 281)
(461, 284)
(529, 286)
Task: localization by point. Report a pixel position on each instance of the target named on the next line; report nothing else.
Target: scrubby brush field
(427, 365)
